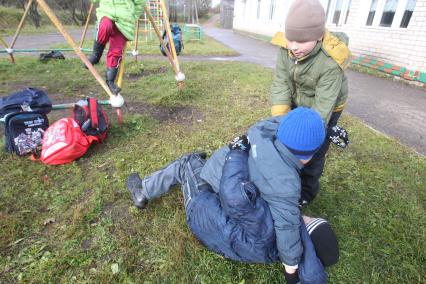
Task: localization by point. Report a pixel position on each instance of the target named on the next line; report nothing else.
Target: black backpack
(24, 132)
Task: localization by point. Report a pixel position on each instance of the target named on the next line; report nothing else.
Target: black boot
(111, 74)
(98, 50)
(134, 185)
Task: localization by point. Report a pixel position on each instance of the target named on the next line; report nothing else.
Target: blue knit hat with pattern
(302, 131)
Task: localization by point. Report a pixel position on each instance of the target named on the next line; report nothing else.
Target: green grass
(10, 18)
(255, 36)
(75, 223)
(205, 47)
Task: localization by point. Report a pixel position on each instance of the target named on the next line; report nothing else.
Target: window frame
(396, 22)
(331, 4)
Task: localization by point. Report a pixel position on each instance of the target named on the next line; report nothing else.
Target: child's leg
(185, 171)
(117, 42)
(192, 183)
(105, 30)
(103, 33)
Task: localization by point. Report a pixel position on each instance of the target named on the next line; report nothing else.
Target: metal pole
(83, 36)
(21, 24)
(71, 42)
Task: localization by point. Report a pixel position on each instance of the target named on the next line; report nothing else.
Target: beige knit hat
(305, 21)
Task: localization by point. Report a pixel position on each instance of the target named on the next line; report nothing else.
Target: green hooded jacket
(316, 81)
(123, 12)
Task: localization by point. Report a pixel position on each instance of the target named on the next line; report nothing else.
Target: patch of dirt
(180, 115)
(86, 244)
(117, 211)
(145, 73)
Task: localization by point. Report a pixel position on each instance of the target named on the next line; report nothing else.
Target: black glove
(291, 278)
(240, 143)
(338, 136)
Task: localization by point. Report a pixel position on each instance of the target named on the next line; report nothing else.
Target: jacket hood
(332, 45)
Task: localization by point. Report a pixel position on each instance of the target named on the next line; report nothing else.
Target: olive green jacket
(123, 12)
(316, 81)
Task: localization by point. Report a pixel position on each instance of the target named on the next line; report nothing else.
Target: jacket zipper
(295, 84)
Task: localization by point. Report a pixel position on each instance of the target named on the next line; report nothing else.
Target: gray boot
(111, 74)
(134, 185)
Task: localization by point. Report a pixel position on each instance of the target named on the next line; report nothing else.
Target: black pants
(312, 171)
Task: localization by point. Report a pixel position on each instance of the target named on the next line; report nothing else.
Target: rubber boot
(111, 74)
(134, 185)
(98, 50)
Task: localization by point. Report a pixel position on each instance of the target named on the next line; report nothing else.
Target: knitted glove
(291, 278)
(241, 143)
(338, 136)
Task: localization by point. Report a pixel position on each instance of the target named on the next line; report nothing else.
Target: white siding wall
(402, 46)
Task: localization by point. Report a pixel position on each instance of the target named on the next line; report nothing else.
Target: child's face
(301, 49)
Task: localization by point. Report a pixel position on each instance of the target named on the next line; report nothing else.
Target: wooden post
(121, 69)
(72, 43)
(158, 33)
(21, 24)
(3, 42)
(83, 36)
(169, 34)
(135, 50)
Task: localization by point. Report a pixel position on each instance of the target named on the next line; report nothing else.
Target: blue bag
(177, 39)
(29, 99)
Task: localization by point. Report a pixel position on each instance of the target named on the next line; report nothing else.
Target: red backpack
(91, 118)
(64, 142)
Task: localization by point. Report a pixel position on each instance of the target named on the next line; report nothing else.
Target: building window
(347, 12)
(328, 7)
(337, 11)
(407, 13)
(258, 9)
(271, 10)
(373, 8)
(388, 13)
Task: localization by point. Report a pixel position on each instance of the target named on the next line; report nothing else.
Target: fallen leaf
(114, 268)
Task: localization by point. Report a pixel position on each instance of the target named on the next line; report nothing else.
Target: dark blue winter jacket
(237, 222)
(234, 222)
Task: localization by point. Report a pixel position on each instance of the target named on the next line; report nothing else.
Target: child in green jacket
(310, 73)
(116, 25)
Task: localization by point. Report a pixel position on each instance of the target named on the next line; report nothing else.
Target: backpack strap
(93, 110)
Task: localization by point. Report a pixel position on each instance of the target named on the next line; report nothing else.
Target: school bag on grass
(69, 138)
(64, 142)
(29, 99)
(24, 132)
(91, 118)
(24, 114)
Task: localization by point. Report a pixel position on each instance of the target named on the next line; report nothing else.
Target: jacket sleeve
(286, 216)
(326, 93)
(139, 7)
(237, 194)
(280, 90)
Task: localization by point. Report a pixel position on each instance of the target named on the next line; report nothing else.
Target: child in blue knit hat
(243, 201)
